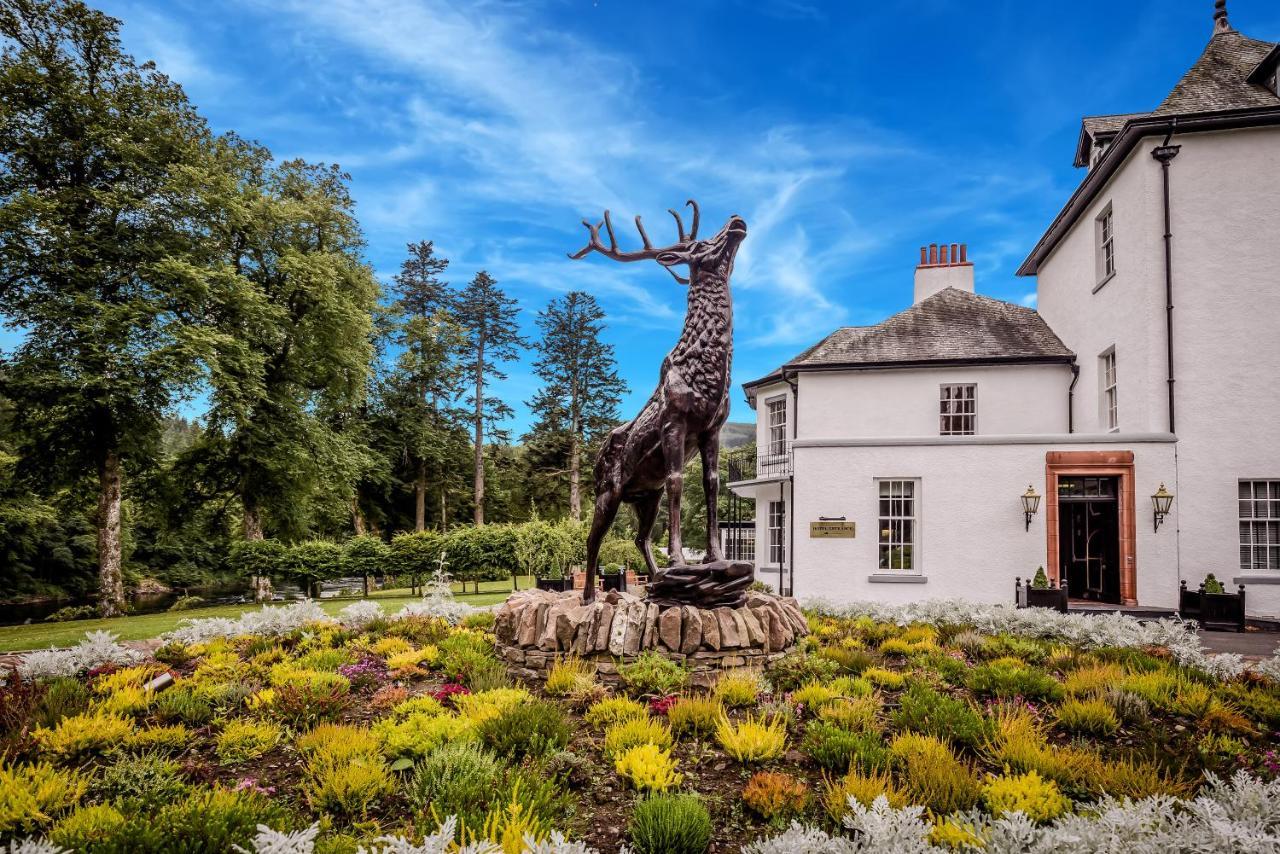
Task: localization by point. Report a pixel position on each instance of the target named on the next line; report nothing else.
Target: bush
(927, 711)
(753, 739)
(303, 706)
(482, 553)
(100, 829)
(1136, 779)
(932, 775)
(242, 740)
(776, 797)
(337, 743)
(635, 731)
(419, 733)
(863, 788)
(162, 739)
(1092, 679)
(31, 796)
(1004, 680)
(653, 673)
(457, 779)
(694, 715)
(365, 555)
(611, 710)
(839, 749)
(857, 714)
(214, 821)
(569, 676)
(850, 660)
(311, 561)
(737, 689)
(63, 697)
(670, 824)
(186, 603)
(814, 695)
(346, 788)
(888, 679)
(648, 767)
(528, 729)
(73, 612)
(1129, 707)
(185, 705)
(141, 783)
(257, 557)
(1093, 716)
(485, 705)
(80, 734)
(1036, 798)
(796, 668)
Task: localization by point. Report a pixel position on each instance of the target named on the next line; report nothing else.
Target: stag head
(715, 254)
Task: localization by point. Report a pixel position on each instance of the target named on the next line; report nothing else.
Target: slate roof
(1219, 78)
(1095, 127)
(950, 326)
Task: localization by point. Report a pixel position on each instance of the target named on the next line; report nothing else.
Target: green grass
(144, 626)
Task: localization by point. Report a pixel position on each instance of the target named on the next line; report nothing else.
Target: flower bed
(888, 731)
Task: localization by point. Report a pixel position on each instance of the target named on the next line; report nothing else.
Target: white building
(1153, 359)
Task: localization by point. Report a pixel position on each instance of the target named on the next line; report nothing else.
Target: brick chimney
(943, 267)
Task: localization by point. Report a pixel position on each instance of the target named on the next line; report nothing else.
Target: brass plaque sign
(833, 530)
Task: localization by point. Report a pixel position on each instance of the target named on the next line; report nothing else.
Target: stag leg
(606, 509)
(673, 451)
(709, 447)
(646, 514)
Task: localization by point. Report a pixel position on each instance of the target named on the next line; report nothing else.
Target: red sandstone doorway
(1069, 471)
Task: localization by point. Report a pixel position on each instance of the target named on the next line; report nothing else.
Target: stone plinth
(536, 628)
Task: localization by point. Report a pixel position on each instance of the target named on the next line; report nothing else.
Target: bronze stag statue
(685, 413)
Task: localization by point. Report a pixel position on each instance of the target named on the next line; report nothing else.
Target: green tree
(100, 164)
(418, 396)
(278, 436)
(487, 317)
(581, 388)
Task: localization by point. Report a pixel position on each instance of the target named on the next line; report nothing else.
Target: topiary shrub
(670, 824)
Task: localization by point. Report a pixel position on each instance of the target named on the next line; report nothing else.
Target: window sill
(1103, 283)
(1248, 580)
(888, 578)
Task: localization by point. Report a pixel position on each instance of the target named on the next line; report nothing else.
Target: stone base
(536, 628)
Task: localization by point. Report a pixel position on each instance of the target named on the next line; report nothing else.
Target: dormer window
(1273, 82)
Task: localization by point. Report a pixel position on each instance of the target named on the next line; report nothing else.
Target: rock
(691, 634)
(744, 634)
(779, 632)
(636, 613)
(618, 632)
(755, 630)
(650, 639)
(729, 635)
(604, 624)
(547, 638)
(710, 630)
(669, 628)
(528, 632)
(567, 623)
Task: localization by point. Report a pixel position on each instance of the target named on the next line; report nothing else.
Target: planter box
(614, 582)
(1026, 596)
(1222, 612)
(559, 585)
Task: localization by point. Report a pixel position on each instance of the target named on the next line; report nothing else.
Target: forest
(207, 359)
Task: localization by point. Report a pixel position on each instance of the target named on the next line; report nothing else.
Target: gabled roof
(1099, 128)
(1219, 80)
(951, 327)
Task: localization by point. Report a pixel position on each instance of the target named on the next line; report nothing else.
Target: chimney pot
(963, 253)
(933, 253)
(955, 253)
(942, 254)
(924, 256)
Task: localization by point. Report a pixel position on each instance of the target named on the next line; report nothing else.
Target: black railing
(769, 462)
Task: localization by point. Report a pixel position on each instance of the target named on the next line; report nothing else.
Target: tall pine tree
(101, 164)
(581, 388)
(418, 398)
(487, 317)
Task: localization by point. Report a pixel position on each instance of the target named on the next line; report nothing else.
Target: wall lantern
(1160, 503)
(1030, 504)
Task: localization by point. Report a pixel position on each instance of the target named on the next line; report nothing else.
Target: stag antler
(594, 244)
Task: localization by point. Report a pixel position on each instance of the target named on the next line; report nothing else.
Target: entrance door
(1089, 537)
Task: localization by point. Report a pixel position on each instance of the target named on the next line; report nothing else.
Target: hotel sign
(832, 530)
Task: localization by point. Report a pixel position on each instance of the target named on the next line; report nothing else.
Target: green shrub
(528, 729)
(797, 668)
(102, 829)
(1001, 646)
(456, 779)
(610, 710)
(91, 732)
(999, 679)
(32, 795)
(186, 603)
(73, 612)
(670, 824)
(311, 561)
(838, 749)
(633, 732)
(1038, 799)
(347, 788)
(304, 706)
(737, 689)
(479, 620)
(695, 715)
(1093, 716)
(924, 710)
(653, 673)
(215, 821)
(257, 557)
(850, 660)
(140, 783)
(184, 705)
(242, 740)
(63, 697)
(932, 775)
(365, 555)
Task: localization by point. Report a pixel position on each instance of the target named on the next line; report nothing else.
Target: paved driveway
(1249, 644)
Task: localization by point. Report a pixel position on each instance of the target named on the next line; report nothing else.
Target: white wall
(1012, 399)
(1226, 295)
(763, 394)
(972, 541)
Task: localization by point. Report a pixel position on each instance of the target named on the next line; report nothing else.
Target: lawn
(144, 626)
(390, 729)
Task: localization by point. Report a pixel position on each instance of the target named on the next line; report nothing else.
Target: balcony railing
(753, 466)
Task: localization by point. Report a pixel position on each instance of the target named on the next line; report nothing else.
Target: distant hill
(735, 434)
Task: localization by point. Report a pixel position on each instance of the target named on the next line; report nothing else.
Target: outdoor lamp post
(1030, 504)
(1161, 502)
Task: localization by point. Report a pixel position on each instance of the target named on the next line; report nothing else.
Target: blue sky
(847, 134)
